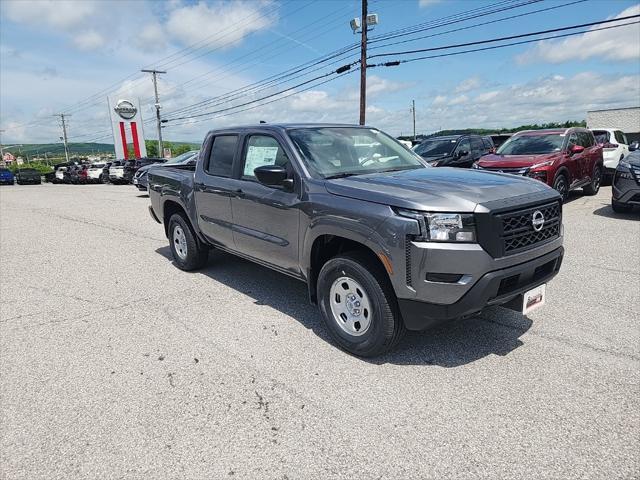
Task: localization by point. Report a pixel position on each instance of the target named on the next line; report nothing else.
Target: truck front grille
(519, 233)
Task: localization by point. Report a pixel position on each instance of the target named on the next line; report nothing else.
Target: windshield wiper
(343, 175)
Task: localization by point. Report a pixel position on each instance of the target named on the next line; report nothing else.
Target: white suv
(614, 147)
(94, 173)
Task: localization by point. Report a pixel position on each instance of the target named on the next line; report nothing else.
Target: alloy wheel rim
(180, 242)
(350, 306)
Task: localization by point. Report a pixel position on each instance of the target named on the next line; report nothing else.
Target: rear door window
(477, 146)
(620, 137)
(223, 151)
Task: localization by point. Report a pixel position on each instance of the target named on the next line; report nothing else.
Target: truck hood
(515, 161)
(435, 189)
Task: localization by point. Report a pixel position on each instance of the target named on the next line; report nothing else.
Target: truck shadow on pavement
(495, 332)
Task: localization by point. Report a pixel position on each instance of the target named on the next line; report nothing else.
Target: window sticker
(258, 157)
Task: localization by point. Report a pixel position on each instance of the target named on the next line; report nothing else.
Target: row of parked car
(565, 159)
(116, 172)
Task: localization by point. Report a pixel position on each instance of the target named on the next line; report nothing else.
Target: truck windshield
(532, 144)
(435, 148)
(341, 151)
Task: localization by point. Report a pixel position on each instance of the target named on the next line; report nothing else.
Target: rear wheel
(358, 305)
(188, 253)
(561, 185)
(596, 178)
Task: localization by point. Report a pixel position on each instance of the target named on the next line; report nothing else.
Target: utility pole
(64, 133)
(413, 110)
(1, 150)
(154, 74)
(363, 64)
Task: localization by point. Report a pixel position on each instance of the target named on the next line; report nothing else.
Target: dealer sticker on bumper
(533, 299)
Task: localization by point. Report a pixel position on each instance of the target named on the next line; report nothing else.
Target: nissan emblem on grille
(537, 220)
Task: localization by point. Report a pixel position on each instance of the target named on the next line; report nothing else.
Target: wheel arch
(326, 245)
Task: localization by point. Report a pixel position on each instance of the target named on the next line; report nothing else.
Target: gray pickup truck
(384, 242)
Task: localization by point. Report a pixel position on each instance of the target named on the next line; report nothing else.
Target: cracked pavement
(114, 364)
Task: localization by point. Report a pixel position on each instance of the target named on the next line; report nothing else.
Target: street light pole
(363, 63)
(413, 110)
(154, 74)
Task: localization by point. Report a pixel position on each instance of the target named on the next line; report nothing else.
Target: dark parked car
(625, 189)
(104, 178)
(186, 160)
(454, 150)
(384, 242)
(28, 176)
(78, 174)
(564, 159)
(6, 176)
(132, 166)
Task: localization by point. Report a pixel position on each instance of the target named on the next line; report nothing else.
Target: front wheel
(596, 178)
(188, 253)
(358, 305)
(561, 185)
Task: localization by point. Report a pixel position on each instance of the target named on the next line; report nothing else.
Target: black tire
(621, 207)
(385, 328)
(190, 254)
(596, 179)
(561, 185)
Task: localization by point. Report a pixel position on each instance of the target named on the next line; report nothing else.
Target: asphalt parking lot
(115, 364)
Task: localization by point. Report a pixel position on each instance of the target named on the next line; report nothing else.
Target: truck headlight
(444, 227)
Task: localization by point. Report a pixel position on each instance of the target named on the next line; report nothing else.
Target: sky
(68, 56)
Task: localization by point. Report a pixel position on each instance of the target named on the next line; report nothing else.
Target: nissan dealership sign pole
(126, 122)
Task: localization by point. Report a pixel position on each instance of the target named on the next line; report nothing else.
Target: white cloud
(222, 24)
(427, 3)
(549, 99)
(467, 85)
(459, 100)
(617, 44)
(151, 38)
(88, 40)
(439, 100)
(63, 14)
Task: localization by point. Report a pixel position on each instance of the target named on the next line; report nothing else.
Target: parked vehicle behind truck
(28, 176)
(564, 159)
(385, 243)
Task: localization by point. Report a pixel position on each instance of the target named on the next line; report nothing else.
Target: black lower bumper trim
(500, 287)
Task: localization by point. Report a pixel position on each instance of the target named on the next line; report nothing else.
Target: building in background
(626, 119)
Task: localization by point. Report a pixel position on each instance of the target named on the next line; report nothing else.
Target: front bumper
(626, 189)
(498, 287)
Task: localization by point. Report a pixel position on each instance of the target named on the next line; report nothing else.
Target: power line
(331, 79)
(475, 25)
(501, 39)
(395, 63)
(338, 71)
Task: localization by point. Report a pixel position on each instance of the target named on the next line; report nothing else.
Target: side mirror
(576, 149)
(462, 153)
(634, 146)
(271, 175)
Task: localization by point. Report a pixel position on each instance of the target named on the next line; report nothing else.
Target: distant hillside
(38, 149)
(83, 149)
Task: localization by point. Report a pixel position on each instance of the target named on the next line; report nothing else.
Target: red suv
(562, 158)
